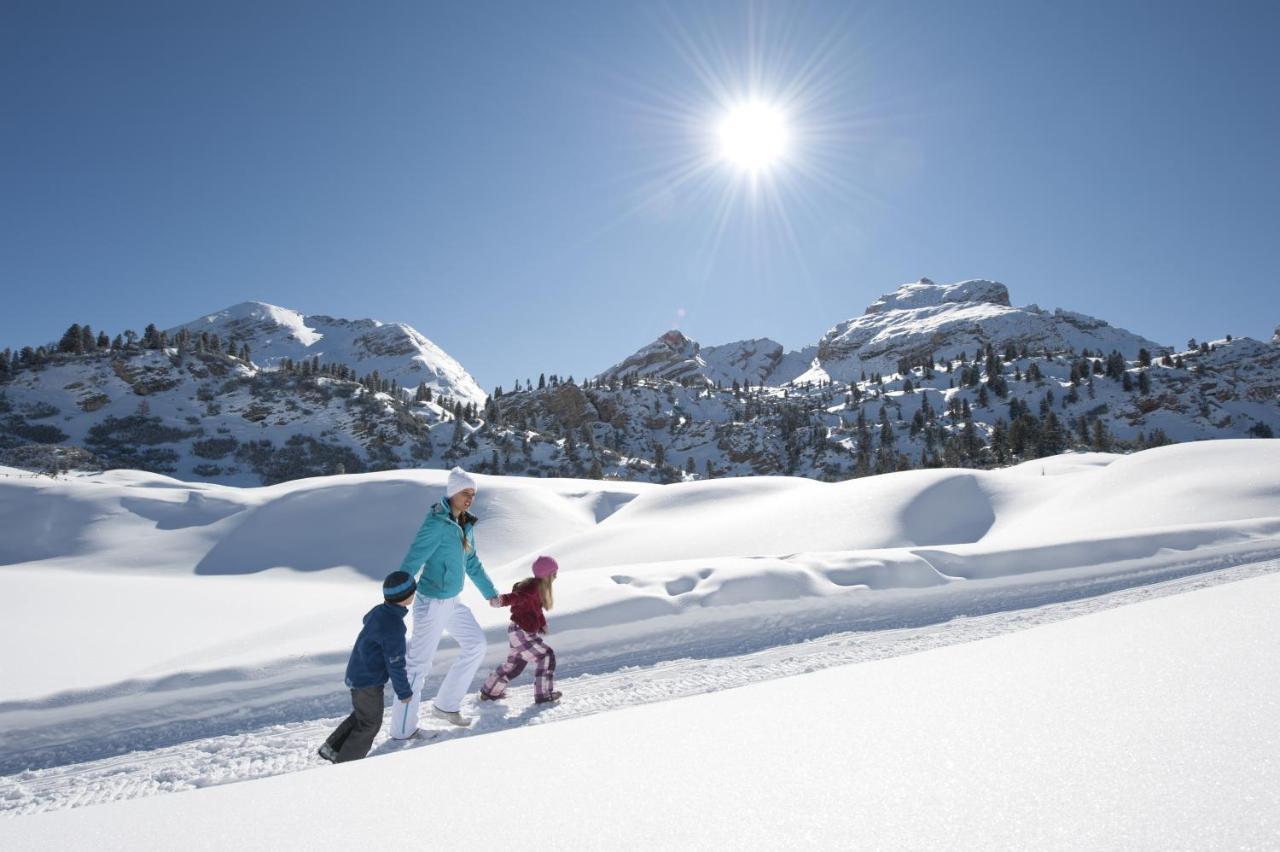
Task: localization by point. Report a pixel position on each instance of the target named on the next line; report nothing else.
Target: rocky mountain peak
(925, 294)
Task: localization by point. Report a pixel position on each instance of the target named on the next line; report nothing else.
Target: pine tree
(1000, 441)
(72, 341)
(971, 443)
(1101, 440)
(1024, 435)
(1052, 438)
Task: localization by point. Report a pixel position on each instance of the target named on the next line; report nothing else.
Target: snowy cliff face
(925, 318)
(675, 357)
(395, 350)
(1276, 337)
(672, 356)
(744, 361)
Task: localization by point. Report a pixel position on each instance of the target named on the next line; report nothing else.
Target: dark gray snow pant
(354, 737)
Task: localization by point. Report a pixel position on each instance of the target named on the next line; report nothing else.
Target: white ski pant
(431, 618)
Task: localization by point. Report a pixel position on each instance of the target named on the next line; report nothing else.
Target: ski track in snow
(594, 685)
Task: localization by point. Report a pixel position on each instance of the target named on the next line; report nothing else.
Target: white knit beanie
(459, 480)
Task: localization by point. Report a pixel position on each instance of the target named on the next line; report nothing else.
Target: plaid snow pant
(525, 648)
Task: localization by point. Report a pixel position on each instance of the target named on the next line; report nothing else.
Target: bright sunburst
(750, 130)
(754, 136)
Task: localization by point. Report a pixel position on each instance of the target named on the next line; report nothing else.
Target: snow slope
(1148, 726)
(634, 555)
(181, 619)
(174, 558)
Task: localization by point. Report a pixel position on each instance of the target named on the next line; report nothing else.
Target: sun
(754, 136)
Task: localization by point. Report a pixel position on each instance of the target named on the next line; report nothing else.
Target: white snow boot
(453, 718)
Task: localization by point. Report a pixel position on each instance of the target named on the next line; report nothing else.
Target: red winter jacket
(526, 606)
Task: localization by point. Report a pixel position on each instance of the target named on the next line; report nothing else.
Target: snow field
(290, 747)
(1122, 728)
(192, 634)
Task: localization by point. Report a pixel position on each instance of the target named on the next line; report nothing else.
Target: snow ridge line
(280, 748)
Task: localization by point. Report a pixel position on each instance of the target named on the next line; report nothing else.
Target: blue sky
(533, 187)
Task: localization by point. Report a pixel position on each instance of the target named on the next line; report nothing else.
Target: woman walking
(443, 550)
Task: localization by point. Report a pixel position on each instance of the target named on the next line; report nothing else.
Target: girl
(527, 600)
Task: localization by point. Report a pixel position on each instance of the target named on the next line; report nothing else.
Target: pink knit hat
(545, 566)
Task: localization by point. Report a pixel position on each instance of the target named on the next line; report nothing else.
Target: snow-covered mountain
(913, 322)
(395, 350)
(675, 357)
(922, 319)
(253, 393)
(1041, 384)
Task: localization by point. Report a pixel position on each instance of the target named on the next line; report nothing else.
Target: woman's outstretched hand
(494, 602)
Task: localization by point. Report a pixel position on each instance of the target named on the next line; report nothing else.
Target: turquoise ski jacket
(438, 553)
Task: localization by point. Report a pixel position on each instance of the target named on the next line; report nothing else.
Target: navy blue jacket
(379, 651)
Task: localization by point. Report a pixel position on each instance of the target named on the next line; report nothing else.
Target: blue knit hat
(397, 586)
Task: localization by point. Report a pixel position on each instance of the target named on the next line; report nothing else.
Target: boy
(378, 655)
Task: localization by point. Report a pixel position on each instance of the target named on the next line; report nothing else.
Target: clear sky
(537, 187)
